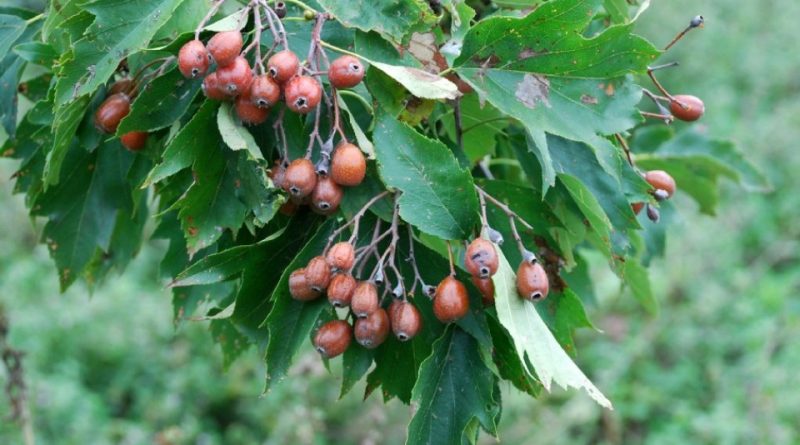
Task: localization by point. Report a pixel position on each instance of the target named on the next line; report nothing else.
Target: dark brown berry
(318, 274)
(280, 9)
(300, 178)
(225, 47)
(371, 332)
(213, 89)
(345, 72)
(481, 258)
(283, 65)
(123, 86)
(299, 287)
(249, 113)
(134, 140)
(486, 287)
(302, 94)
(341, 256)
(406, 320)
(326, 196)
(340, 290)
(264, 92)
(333, 338)
(365, 299)
(661, 180)
(111, 111)
(235, 79)
(348, 166)
(532, 282)
(193, 59)
(289, 208)
(451, 301)
(687, 108)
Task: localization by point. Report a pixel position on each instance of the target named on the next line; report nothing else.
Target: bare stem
(356, 219)
(214, 8)
(625, 148)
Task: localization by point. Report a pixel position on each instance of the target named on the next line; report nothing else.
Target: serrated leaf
(36, 52)
(534, 341)
(11, 28)
(65, 124)
(420, 83)
(234, 134)
(356, 361)
(394, 20)
(438, 196)
(637, 278)
(363, 141)
(11, 65)
(161, 103)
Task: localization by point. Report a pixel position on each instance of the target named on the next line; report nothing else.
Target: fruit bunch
(114, 108)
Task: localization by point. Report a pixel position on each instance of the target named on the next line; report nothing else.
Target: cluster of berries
(114, 108)
(663, 188)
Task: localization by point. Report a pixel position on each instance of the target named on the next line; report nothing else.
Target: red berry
(481, 258)
(365, 299)
(299, 287)
(637, 207)
(326, 196)
(345, 72)
(486, 287)
(348, 166)
(277, 173)
(249, 113)
(405, 319)
(371, 332)
(225, 47)
(283, 65)
(134, 140)
(451, 301)
(532, 281)
(264, 92)
(300, 178)
(212, 88)
(235, 79)
(123, 86)
(318, 274)
(687, 108)
(193, 59)
(302, 94)
(111, 111)
(661, 180)
(333, 338)
(341, 256)
(340, 290)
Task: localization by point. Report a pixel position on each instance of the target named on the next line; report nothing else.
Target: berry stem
(412, 258)
(280, 135)
(259, 28)
(214, 8)
(450, 258)
(667, 118)
(356, 219)
(658, 85)
(696, 22)
(625, 148)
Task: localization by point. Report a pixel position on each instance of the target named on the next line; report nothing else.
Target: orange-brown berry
(318, 274)
(481, 258)
(371, 331)
(111, 112)
(235, 78)
(340, 290)
(661, 180)
(333, 338)
(193, 59)
(299, 287)
(365, 299)
(248, 112)
(225, 47)
(405, 319)
(264, 92)
(134, 140)
(532, 281)
(348, 165)
(212, 88)
(486, 287)
(637, 207)
(451, 301)
(283, 65)
(302, 94)
(300, 178)
(687, 108)
(326, 196)
(345, 72)
(341, 256)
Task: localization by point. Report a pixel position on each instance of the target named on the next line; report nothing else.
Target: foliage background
(717, 366)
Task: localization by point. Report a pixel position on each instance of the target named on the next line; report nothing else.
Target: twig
(625, 148)
(214, 8)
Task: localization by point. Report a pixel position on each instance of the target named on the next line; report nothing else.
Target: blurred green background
(717, 366)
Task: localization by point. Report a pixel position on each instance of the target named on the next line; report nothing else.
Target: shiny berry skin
(300, 178)
(134, 140)
(345, 72)
(348, 165)
(340, 290)
(249, 113)
(225, 47)
(193, 59)
(302, 94)
(371, 332)
(341, 256)
(333, 338)
(365, 299)
(299, 288)
(405, 319)
(283, 65)
(111, 111)
(212, 88)
(264, 92)
(326, 196)
(661, 180)
(318, 274)
(687, 108)
(532, 281)
(486, 287)
(235, 78)
(451, 301)
(122, 86)
(481, 259)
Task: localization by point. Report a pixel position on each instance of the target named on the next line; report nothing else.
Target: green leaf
(37, 52)
(256, 190)
(420, 83)
(438, 196)
(509, 364)
(356, 361)
(637, 278)
(65, 124)
(161, 103)
(534, 342)
(481, 124)
(394, 20)
(234, 134)
(363, 142)
(454, 387)
(11, 28)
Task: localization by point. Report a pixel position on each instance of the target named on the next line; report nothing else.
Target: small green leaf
(356, 361)
(234, 134)
(11, 28)
(65, 123)
(394, 20)
(36, 52)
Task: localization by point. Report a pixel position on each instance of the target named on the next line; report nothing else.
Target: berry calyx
(345, 72)
(302, 94)
(532, 281)
(111, 111)
(299, 287)
(283, 65)
(225, 47)
(348, 165)
(451, 301)
(340, 290)
(318, 274)
(687, 108)
(405, 319)
(264, 92)
(333, 338)
(661, 180)
(341, 256)
(300, 178)
(212, 88)
(326, 196)
(371, 331)
(235, 78)
(365, 299)
(193, 59)
(481, 258)
(248, 112)
(486, 287)
(134, 140)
